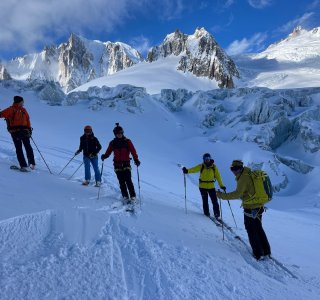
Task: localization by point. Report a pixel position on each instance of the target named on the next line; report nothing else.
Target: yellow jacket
(208, 175)
(244, 191)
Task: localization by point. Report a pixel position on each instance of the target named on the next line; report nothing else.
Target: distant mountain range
(80, 60)
(292, 62)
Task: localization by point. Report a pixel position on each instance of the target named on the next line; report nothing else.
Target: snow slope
(161, 74)
(291, 63)
(58, 241)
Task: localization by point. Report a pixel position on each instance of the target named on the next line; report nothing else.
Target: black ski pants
(205, 204)
(19, 139)
(125, 182)
(257, 237)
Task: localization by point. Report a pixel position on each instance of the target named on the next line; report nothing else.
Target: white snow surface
(155, 76)
(293, 62)
(58, 241)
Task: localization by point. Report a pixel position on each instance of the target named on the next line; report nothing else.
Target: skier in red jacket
(121, 148)
(19, 126)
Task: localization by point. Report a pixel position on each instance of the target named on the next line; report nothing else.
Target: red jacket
(17, 117)
(121, 149)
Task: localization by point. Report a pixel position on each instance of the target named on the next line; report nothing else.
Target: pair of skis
(220, 223)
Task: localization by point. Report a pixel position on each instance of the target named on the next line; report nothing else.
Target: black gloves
(185, 170)
(77, 152)
(224, 188)
(103, 157)
(137, 162)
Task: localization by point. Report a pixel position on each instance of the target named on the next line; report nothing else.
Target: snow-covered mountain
(199, 54)
(300, 45)
(75, 62)
(4, 74)
(293, 62)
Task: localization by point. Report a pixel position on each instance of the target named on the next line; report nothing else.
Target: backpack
(262, 186)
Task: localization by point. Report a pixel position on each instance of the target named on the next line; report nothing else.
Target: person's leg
(262, 235)
(205, 204)
(122, 184)
(97, 174)
(87, 171)
(29, 150)
(129, 183)
(215, 204)
(18, 145)
(251, 228)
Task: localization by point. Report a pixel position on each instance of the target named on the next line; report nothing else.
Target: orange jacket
(17, 118)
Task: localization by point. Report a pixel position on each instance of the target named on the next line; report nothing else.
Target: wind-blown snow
(58, 241)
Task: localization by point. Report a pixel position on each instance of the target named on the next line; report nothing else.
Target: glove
(103, 157)
(224, 188)
(185, 170)
(137, 162)
(77, 152)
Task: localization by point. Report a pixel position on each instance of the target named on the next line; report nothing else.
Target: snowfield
(58, 241)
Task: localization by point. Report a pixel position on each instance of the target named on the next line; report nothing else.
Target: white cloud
(255, 43)
(301, 21)
(24, 24)
(315, 4)
(259, 4)
(141, 43)
(29, 25)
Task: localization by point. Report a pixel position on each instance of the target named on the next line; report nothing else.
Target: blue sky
(239, 26)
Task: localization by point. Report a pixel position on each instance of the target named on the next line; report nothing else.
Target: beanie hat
(117, 129)
(17, 99)
(88, 127)
(206, 156)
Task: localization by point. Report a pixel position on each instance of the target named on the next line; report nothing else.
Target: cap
(236, 165)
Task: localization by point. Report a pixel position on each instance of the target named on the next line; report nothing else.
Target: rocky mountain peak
(200, 55)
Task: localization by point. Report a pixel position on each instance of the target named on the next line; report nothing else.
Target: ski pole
(185, 193)
(41, 154)
(100, 183)
(221, 219)
(139, 185)
(67, 164)
(75, 171)
(232, 214)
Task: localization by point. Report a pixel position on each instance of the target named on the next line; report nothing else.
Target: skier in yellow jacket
(209, 173)
(253, 210)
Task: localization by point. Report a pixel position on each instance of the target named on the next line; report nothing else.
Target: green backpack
(263, 188)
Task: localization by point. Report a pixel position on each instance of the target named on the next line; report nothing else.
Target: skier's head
(87, 129)
(236, 166)
(207, 158)
(118, 130)
(18, 99)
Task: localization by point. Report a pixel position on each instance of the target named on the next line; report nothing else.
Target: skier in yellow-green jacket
(209, 173)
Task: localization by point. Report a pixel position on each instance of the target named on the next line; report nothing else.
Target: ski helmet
(237, 164)
(117, 129)
(206, 156)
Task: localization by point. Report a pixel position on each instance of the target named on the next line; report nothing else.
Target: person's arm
(218, 177)
(238, 193)
(195, 169)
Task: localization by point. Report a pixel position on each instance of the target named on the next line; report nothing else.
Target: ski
(13, 167)
(225, 225)
(215, 221)
(270, 258)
